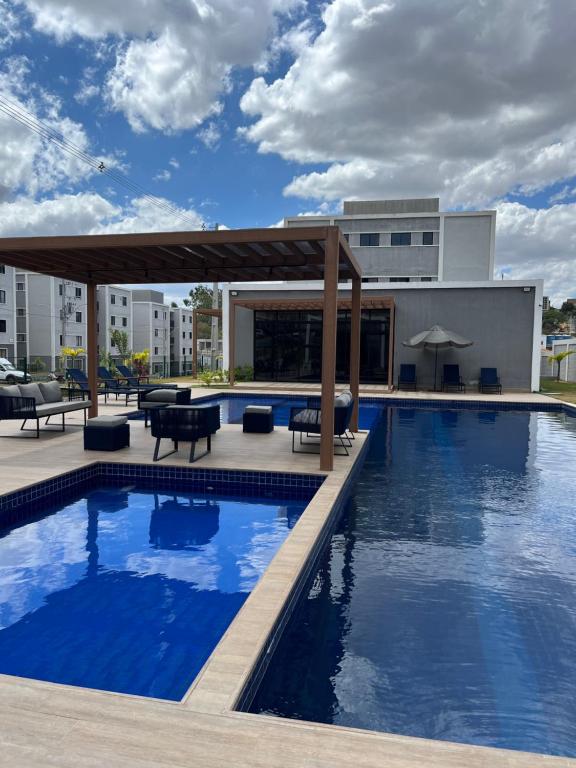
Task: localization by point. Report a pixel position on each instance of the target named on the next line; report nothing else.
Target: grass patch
(561, 390)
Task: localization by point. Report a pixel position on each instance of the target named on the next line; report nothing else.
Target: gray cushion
(31, 390)
(258, 409)
(12, 391)
(103, 422)
(307, 416)
(343, 400)
(51, 391)
(162, 395)
(49, 409)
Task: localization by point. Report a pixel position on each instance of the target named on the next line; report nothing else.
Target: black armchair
(308, 420)
(184, 423)
(152, 399)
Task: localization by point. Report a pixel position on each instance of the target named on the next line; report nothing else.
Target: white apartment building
(413, 241)
(151, 328)
(181, 340)
(7, 312)
(50, 314)
(114, 306)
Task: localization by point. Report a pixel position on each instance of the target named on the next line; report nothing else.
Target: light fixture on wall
(527, 289)
(233, 293)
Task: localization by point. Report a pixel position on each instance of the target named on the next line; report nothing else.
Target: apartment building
(114, 306)
(181, 340)
(7, 312)
(151, 328)
(413, 241)
(50, 314)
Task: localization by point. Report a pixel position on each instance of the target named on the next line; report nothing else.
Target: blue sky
(242, 114)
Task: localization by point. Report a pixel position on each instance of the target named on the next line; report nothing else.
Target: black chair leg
(192, 449)
(23, 424)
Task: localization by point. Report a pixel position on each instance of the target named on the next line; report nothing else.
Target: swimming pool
(444, 605)
(129, 589)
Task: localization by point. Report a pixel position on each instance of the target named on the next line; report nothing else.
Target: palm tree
(558, 359)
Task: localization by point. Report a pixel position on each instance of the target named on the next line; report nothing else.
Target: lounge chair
(307, 421)
(451, 379)
(132, 379)
(113, 386)
(407, 377)
(36, 401)
(185, 423)
(489, 381)
(77, 380)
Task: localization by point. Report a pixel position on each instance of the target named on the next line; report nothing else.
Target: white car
(11, 375)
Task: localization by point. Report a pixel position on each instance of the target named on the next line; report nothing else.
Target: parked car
(11, 375)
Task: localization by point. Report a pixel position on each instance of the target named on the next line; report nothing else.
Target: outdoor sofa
(308, 420)
(23, 402)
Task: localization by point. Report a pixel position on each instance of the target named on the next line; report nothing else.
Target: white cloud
(210, 135)
(538, 243)
(164, 175)
(9, 25)
(469, 100)
(173, 59)
(174, 163)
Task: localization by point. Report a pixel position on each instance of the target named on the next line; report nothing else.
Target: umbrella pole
(435, 367)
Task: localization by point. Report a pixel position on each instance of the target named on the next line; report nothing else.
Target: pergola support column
(195, 343)
(329, 328)
(355, 320)
(232, 344)
(92, 347)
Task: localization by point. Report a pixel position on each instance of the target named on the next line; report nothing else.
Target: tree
(552, 319)
(568, 309)
(558, 360)
(201, 298)
(120, 340)
(174, 305)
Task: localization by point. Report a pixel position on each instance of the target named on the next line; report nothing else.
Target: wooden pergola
(307, 253)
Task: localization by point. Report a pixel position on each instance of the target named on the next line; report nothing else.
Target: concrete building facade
(151, 328)
(50, 314)
(114, 314)
(413, 241)
(7, 312)
(181, 340)
(283, 347)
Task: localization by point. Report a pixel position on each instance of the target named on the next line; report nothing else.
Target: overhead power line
(46, 132)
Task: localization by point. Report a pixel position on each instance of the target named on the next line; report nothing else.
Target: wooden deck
(44, 724)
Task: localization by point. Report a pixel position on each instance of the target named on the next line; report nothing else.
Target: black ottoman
(106, 433)
(258, 418)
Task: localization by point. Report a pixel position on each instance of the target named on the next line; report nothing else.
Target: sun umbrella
(437, 338)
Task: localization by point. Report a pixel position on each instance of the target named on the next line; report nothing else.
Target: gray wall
(498, 320)
(466, 246)
(407, 205)
(8, 312)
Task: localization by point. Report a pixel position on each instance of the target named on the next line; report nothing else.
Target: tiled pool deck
(43, 724)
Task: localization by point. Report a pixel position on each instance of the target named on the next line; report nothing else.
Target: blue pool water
(131, 590)
(232, 408)
(444, 605)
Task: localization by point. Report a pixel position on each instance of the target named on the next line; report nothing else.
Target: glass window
(2, 326)
(78, 317)
(2, 297)
(78, 293)
(20, 337)
(124, 301)
(60, 289)
(2, 269)
(155, 331)
(112, 320)
(399, 279)
(112, 299)
(124, 321)
(155, 350)
(156, 314)
(425, 279)
(427, 238)
(401, 238)
(370, 238)
(78, 341)
(20, 287)
(21, 312)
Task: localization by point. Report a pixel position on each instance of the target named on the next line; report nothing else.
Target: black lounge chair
(489, 381)
(185, 423)
(407, 377)
(79, 379)
(307, 421)
(114, 387)
(132, 379)
(451, 378)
